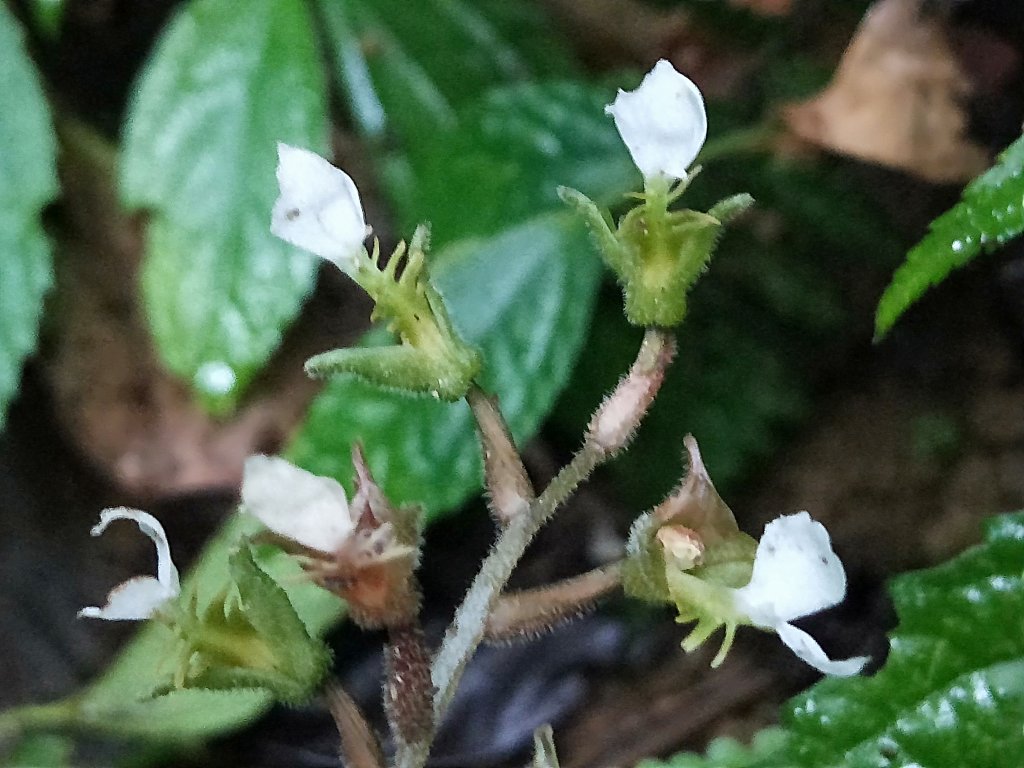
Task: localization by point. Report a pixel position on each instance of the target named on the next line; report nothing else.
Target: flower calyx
(658, 254)
(365, 551)
(319, 210)
(247, 636)
(431, 357)
(689, 552)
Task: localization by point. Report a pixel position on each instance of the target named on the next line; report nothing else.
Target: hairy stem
(408, 692)
(468, 627)
(531, 612)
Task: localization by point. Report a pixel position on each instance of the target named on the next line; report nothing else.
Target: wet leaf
(951, 692)
(990, 212)
(221, 88)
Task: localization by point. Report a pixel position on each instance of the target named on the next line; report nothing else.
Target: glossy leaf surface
(221, 88)
(990, 212)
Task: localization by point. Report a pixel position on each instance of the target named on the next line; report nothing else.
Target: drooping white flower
(319, 208)
(141, 596)
(795, 574)
(296, 504)
(663, 122)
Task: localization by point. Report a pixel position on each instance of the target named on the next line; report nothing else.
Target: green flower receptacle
(665, 259)
(656, 254)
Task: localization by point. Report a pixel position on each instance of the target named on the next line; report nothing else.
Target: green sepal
(731, 207)
(643, 570)
(667, 257)
(656, 254)
(250, 637)
(544, 753)
(431, 358)
(396, 367)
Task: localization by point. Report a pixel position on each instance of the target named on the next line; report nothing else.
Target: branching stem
(468, 627)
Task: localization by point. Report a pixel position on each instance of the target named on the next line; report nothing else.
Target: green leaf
(399, 81)
(512, 149)
(188, 715)
(42, 751)
(990, 212)
(729, 753)
(524, 298)
(199, 154)
(405, 90)
(28, 181)
(48, 16)
(951, 692)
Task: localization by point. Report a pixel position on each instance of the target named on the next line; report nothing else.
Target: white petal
(663, 122)
(296, 504)
(139, 597)
(134, 600)
(795, 574)
(807, 649)
(318, 208)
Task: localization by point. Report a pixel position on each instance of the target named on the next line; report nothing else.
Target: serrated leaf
(199, 155)
(524, 298)
(951, 692)
(990, 212)
(28, 181)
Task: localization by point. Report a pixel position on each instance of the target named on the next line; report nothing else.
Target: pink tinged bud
(318, 209)
(616, 420)
(663, 123)
(140, 597)
(795, 574)
(296, 504)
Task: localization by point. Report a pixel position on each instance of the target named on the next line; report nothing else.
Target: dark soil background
(912, 444)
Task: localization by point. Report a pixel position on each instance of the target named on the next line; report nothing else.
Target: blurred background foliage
(172, 340)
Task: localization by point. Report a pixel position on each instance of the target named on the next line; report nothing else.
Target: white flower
(318, 208)
(139, 597)
(795, 574)
(296, 504)
(663, 122)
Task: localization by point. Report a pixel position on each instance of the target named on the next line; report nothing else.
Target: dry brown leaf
(896, 99)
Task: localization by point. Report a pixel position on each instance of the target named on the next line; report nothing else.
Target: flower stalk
(469, 626)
